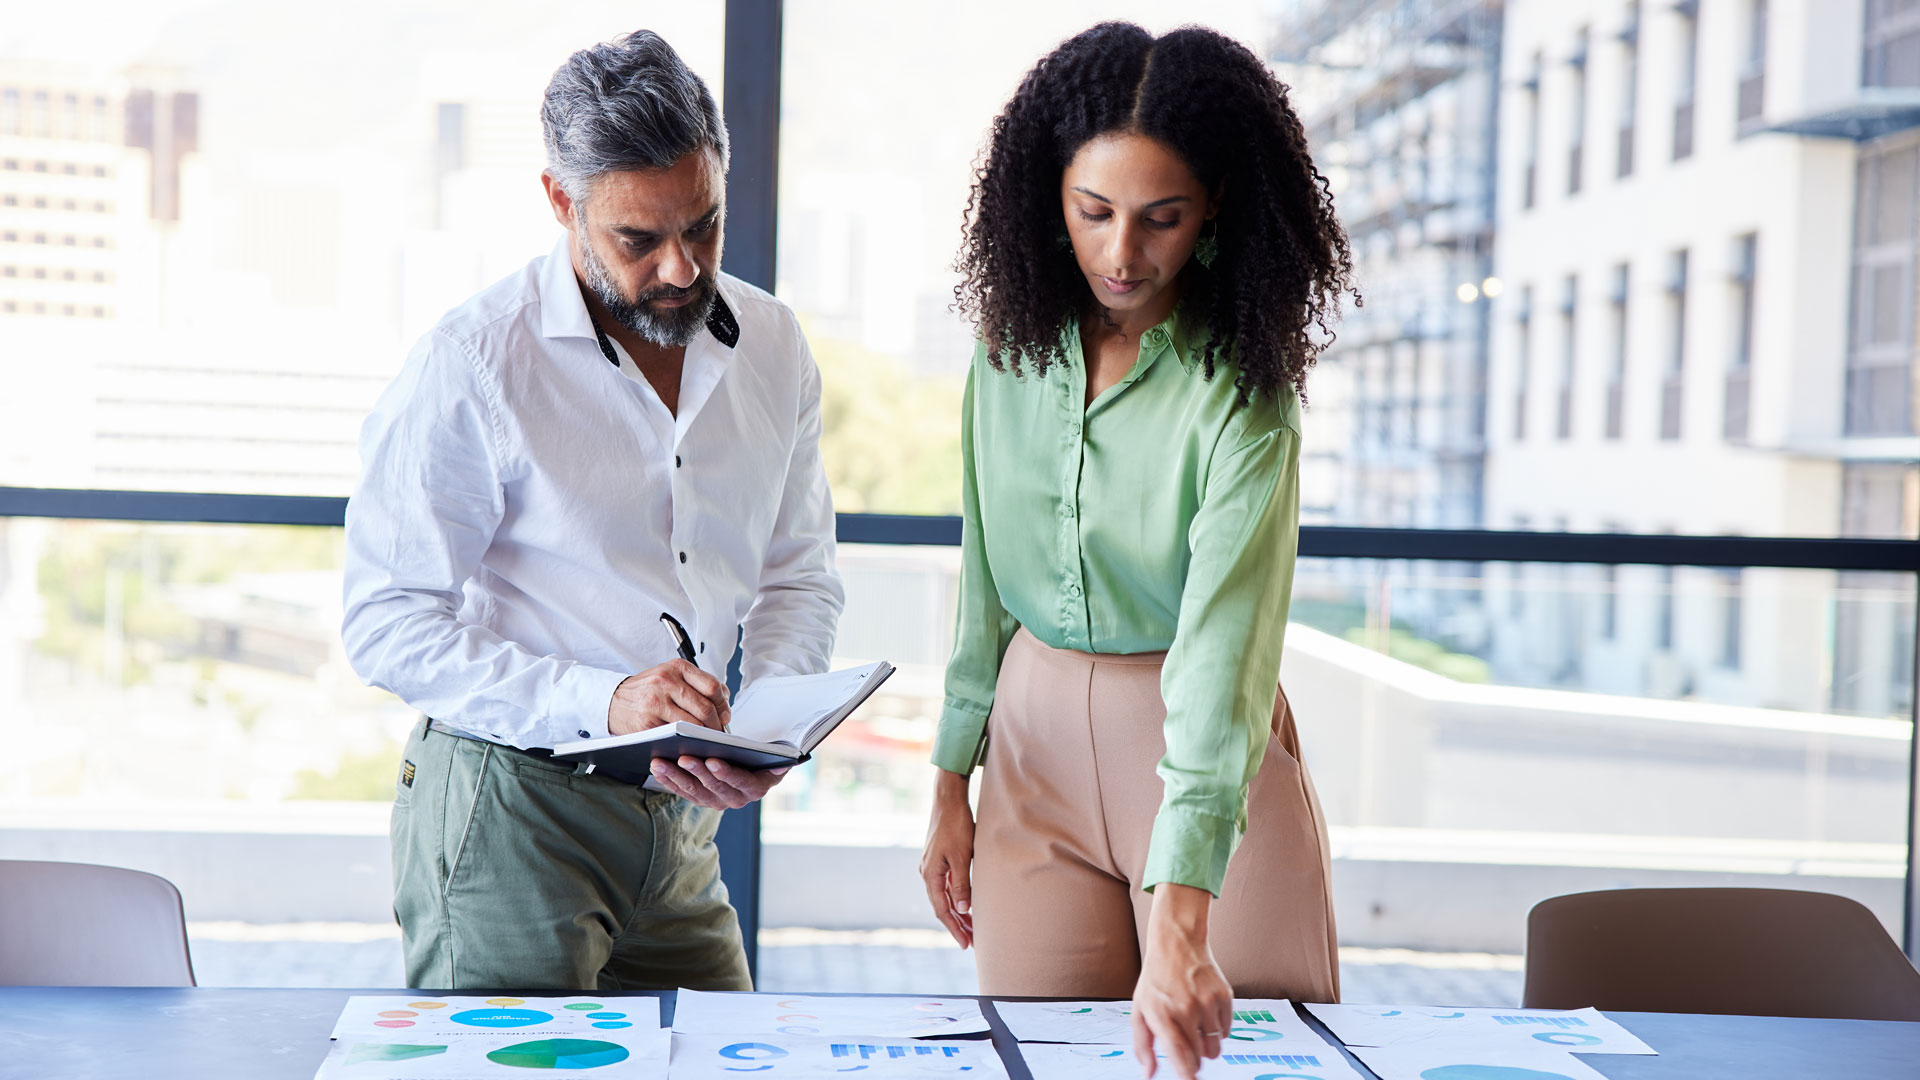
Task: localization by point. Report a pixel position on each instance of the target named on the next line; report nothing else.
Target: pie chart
(559, 1054)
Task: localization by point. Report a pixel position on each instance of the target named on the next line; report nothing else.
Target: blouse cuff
(960, 742)
(1189, 847)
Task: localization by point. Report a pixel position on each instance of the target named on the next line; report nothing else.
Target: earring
(1207, 248)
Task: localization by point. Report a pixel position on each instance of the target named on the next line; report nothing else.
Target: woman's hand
(1182, 1006)
(947, 861)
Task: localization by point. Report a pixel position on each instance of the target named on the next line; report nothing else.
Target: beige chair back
(75, 924)
(1756, 952)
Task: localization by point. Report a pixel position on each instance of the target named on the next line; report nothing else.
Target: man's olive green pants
(511, 872)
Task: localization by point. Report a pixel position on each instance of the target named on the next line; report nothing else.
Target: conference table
(204, 1033)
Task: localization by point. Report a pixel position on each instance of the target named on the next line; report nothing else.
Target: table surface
(203, 1033)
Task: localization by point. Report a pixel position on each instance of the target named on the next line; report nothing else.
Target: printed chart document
(1580, 1031)
(1447, 1059)
(726, 1057)
(1086, 1061)
(701, 1012)
(1255, 1021)
(453, 1038)
(776, 721)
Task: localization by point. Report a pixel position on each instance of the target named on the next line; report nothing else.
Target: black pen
(680, 639)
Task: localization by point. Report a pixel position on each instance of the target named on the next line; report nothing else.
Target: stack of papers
(1093, 1040)
(1408, 1042)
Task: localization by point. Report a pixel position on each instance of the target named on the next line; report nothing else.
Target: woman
(1152, 262)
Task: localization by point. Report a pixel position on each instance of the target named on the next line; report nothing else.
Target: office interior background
(1640, 281)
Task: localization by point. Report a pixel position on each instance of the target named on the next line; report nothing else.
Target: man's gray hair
(626, 104)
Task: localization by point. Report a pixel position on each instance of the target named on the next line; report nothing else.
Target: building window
(1753, 69)
(1740, 368)
(1577, 106)
(1730, 615)
(1671, 386)
(1569, 310)
(10, 111)
(1881, 339)
(1663, 610)
(1688, 51)
(1609, 602)
(1530, 169)
(1523, 361)
(9, 200)
(1891, 44)
(1629, 90)
(1617, 373)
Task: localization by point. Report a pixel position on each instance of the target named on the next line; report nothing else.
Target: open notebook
(777, 721)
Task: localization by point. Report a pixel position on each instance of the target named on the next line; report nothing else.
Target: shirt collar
(563, 311)
(1170, 334)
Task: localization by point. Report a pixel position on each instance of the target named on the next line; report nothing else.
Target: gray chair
(1757, 952)
(75, 924)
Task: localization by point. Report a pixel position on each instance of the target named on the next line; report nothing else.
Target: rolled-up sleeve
(1222, 672)
(982, 626)
(429, 501)
(790, 628)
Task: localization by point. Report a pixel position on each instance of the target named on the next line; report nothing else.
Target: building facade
(1705, 225)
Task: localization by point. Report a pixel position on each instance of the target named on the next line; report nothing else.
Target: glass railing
(1484, 733)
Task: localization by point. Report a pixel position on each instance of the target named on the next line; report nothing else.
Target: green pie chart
(559, 1054)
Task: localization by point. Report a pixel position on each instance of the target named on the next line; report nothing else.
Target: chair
(75, 924)
(1758, 952)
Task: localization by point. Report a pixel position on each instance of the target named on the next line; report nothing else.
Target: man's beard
(669, 328)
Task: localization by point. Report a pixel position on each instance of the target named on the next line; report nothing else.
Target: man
(618, 430)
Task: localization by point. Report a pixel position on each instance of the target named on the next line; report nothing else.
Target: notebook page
(783, 708)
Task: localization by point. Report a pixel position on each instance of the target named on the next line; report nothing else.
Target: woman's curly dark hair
(1275, 285)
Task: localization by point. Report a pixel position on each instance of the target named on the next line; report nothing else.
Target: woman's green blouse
(1163, 516)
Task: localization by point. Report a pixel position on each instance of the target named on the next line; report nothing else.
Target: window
(1688, 51)
(1569, 309)
(1663, 609)
(1522, 361)
(1617, 370)
(1753, 69)
(1886, 239)
(1739, 389)
(1530, 107)
(1671, 388)
(1730, 616)
(1629, 90)
(1577, 112)
(1891, 44)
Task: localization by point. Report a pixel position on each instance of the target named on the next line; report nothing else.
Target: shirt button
(676, 461)
(703, 648)
(583, 734)
(683, 556)
(1073, 589)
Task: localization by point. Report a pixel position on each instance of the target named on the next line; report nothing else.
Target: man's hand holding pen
(679, 692)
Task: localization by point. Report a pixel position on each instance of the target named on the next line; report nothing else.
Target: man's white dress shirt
(526, 511)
